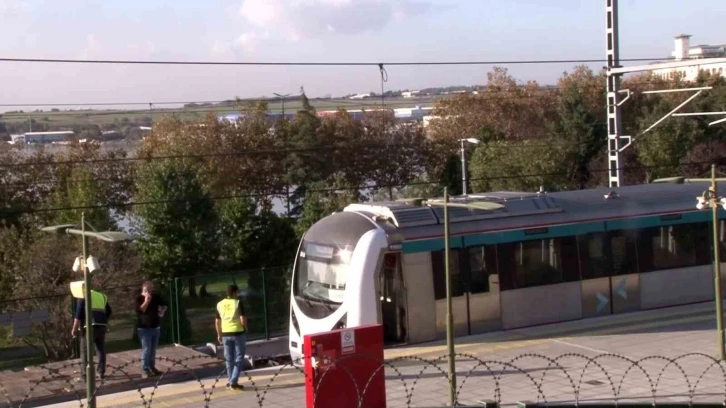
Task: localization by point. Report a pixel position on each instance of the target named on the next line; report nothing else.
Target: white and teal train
(542, 258)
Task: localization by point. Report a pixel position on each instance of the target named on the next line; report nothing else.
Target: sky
(315, 31)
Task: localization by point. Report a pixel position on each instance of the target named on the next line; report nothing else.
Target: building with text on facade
(685, 51)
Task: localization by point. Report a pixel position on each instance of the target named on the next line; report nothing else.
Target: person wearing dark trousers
(101, 312)
(150, 308)
(231, 324)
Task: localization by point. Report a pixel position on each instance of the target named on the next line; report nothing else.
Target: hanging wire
(384, 78)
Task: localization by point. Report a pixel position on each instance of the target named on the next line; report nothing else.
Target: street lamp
(463, 161)
(282, 100)
(480, 205)
(710, 199)
(88, 264)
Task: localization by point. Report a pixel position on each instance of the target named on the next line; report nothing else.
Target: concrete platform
(55, 382)
(552, 363)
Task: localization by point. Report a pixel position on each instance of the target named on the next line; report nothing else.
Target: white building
(410, 94)
(685, 51)
(47, 137)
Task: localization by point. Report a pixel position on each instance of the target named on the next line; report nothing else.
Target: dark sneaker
(155, 371)
(147, 374)
(236, 387)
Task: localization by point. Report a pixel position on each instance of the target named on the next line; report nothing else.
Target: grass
(104, 117)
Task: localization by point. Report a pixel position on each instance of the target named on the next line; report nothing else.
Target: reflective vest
(98, 308)
(229, 313)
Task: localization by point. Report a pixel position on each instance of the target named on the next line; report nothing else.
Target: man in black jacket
(150, 308)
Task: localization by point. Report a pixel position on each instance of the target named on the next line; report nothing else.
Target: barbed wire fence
(528, 379)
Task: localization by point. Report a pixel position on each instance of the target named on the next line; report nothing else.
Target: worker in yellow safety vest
(100, 313)
(231, 325)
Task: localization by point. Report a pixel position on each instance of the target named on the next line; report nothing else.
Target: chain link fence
(265, 294)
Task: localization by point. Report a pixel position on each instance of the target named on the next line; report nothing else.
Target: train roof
(528, 210)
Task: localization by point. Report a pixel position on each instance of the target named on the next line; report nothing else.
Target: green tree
(178, 222)
(577, 128)
(323, 199)
(664, 148)
(519, 166)
(400, 151)
(305, 164)
(40, 264)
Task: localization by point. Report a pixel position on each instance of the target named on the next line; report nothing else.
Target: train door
(609, 273)
(393, 299)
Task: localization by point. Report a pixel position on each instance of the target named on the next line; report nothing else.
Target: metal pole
(172, 311)
(717, 266)
(613, 110)
(264, 305)
(449, 312)
(90, 375)
(178, 314)
(463, 167)
(287, 181)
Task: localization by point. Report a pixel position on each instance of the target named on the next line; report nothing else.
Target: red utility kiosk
(340, 364)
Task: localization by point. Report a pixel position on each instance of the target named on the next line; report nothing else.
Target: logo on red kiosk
(347, 342)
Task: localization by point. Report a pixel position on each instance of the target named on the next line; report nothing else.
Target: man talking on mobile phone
(150, 308)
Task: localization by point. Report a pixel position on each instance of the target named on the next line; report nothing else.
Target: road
(518, 361)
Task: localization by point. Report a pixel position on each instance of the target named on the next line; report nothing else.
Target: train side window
(570, 263)
(625, 252)
(535, 263)
(439, 274)
(674, 246)
(483, 267)
(593, 255)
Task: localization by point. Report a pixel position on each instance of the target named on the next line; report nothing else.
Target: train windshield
(321, 272)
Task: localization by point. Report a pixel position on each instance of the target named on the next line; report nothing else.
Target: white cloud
(12, 8)
(220, 48)
(146, 48)
(248, 41)
(92, 48)
(299, 19)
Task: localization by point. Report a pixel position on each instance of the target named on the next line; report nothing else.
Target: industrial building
(685, 51)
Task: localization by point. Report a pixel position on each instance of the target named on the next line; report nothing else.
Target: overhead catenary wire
(6, 212)
(318, 64)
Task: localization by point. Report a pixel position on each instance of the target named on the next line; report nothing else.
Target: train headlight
(345, 255)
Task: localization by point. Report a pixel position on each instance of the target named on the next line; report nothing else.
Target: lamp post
(463, 161)
(710, 199)
(107, 236)
(475, 205)
(449, 312)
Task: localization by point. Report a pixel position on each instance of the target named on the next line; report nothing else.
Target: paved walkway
(522, 367)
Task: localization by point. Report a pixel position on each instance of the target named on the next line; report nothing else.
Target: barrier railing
(528, 380)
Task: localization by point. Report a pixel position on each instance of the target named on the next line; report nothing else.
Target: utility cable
(323, 190)
(319, 64)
